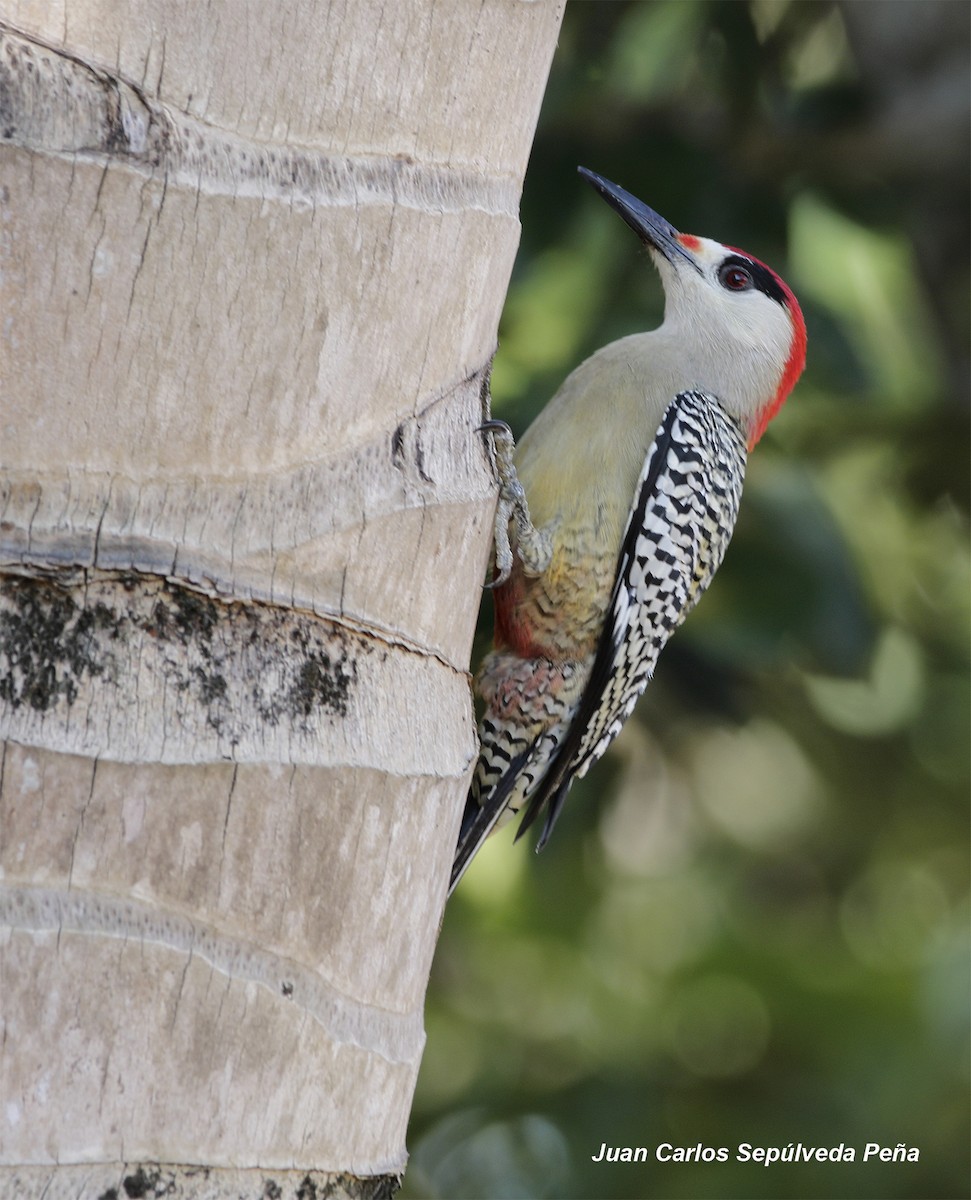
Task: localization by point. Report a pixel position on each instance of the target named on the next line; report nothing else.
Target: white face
(730, 322)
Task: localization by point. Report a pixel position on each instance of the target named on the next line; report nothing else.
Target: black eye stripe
(762, 278)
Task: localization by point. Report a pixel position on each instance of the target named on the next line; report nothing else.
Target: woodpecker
(621, 498)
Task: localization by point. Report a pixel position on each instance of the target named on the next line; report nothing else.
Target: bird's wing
(679, 526)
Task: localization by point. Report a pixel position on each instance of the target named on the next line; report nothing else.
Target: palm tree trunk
(253, 259)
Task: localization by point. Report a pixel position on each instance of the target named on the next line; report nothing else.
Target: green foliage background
(751, 924)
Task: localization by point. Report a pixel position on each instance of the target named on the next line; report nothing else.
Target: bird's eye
(735, 278)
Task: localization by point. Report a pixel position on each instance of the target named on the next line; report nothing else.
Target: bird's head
(735, 325)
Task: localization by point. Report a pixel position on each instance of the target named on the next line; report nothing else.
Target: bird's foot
(535, 546)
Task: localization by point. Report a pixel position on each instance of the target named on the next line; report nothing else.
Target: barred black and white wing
(679, 527)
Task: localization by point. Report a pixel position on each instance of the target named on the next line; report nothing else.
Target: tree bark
(253, 260)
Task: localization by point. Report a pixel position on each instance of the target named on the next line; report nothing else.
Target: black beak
(651, 228)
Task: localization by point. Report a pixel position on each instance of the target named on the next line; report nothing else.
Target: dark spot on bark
(49, 644)
(109, 1194)
(316, 680)
(286, 988)
(236, 663)
(271, 1190)
(142, 1183)
(320, 683)
(158, 626)
(195, 616)
(213, 691)
(398, 446)
(114, 138)
(212, 687)
(184, 616)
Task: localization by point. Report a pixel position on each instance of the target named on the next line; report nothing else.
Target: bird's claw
(534, 546)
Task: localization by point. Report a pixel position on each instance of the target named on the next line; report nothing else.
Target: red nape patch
(689, 241)
(797, 353)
